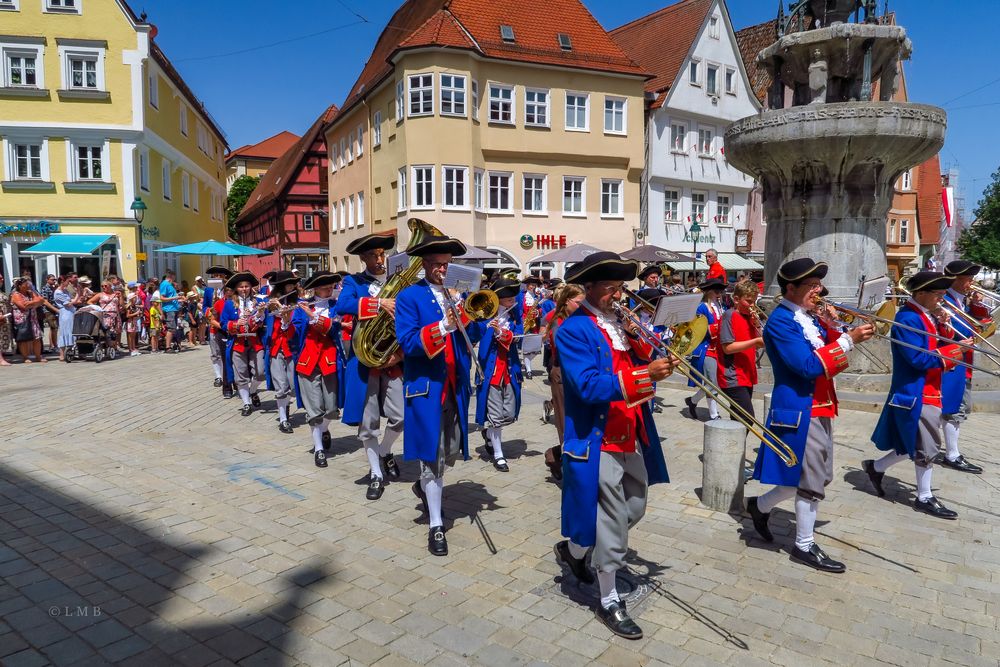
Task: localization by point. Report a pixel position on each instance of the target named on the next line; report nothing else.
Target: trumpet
(687, 336)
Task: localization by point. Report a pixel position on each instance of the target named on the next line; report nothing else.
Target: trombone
(481, 305)
(880, 365)
(688, 336)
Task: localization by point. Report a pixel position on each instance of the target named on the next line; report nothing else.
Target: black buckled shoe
(320, 459)
(759, 520)
(436, 542)
(255, 399)
(227, 390)
(246, 410)
(578, 566)
(961, 465)
(376, 488)
(217, 383)
(691, 407)
(285, 427)
(419, 493)
(868, 465)
(501, 464)
(391, 469)
(618, 621)
(818, 559)
(934, 507)
(327, 441)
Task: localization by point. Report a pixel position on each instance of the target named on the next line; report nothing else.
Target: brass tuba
(374, 341)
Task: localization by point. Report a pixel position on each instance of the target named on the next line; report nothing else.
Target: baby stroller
(90, 336)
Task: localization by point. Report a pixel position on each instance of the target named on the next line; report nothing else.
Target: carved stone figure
(818, 77)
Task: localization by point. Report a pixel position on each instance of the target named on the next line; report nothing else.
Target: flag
(948, 204)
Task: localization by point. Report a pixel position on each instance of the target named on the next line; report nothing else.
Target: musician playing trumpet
(243, 321)
(281, 344)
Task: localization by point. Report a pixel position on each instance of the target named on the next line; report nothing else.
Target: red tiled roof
(929, 201)
(752, 41)
(281, 173)
(475, 25)
(662, 40)
(269, 149)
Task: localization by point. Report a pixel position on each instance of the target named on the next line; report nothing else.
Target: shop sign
(150, 232)
(543, 241)
(43, 227)
(702, 238)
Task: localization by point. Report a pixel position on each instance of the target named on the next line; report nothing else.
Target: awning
(686, 266)
(69, 245)
(733, 261)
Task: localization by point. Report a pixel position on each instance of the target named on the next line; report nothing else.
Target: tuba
(374, 340)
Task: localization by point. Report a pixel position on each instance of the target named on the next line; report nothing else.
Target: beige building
(255, 159)
(514, 130)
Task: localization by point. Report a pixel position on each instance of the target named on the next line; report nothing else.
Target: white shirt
(812, 333)
(376, 285)
(443, 303)
(611, 326)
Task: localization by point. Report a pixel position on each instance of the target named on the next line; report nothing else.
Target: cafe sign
(543, 241)
(43, 227)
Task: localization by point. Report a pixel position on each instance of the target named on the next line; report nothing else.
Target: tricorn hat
(602, 266)
(268, 276)
(802, 268)
(435, 244)
(505, 287)
(279, 278)
(962, 267)
(371, 242)
(923, 281)
(242, 276)
(532, 280)
(650, 294)
(649, 270)
(321, 279)
(712, 284)
(219, 271)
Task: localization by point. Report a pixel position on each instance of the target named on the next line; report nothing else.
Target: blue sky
(255, 89)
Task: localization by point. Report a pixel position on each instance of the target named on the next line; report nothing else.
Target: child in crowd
(155, 318)
(133, 318)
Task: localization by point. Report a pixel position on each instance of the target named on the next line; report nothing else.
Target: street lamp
(139, 212)
(695, 230)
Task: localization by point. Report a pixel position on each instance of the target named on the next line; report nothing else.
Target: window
(423, 187)
(678, 133)
(83, 72)
(536, 107)
(21, 71)
(165, 180)
(361, 140)
(204, 143)
(334, 156)
(534, 194)
(195, 196)
(573, 199)
(713, 27)
(62, 5)
(88, 163)
(348, 144)
(698, 206)
(477, 185)
(501, 103)
(154, 90)
(350, 212)
(399, 102)
(671, 206)
(343, 152)
(723, 203)
(421, 94)
(893, 224)
(144, 170)
(611, 198)
(730, 81)
(184, 120)
(694, 72)
(705, 137)
(401, 200)
(904, 231)
(361, 209)
(185, 190)
(576, 111)
(455, 187)
(452, 95)
(343, 214)
(614, 115)
(27, 162)
(9, 5)
(712, 80)
(565, 43)
(307, 222)
(377, 129)
(907, 180)
(507, 33)
(475, 100)
(499, 198)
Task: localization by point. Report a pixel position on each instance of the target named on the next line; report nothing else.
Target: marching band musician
(705, 359)
(568, 299)
(805, 356)
(650, 277)
(910, 424)
(498, 396)
(435, 378)
(221, 363)
(372, 393)
(956, 384)
(529, 302)
(281, 344)
(611, 452)
(316, 363)
(242, 320)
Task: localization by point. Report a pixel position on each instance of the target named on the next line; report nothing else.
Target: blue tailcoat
(698, 356)
(897, 426)
(424, 378)
(953, 381)
(207, 301)
(230, 314)
(488, 349)
(589, 386)
(354, 288)
(796, 366)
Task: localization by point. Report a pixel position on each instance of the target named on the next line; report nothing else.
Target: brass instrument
(374, 341)
(687, 336)
(481, 305)
(879, 364)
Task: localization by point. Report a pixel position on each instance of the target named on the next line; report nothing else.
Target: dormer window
(507, 33)
(565, 43)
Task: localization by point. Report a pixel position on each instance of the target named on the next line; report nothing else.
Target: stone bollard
(722, 465)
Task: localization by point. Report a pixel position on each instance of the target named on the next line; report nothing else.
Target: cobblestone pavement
(143, 521)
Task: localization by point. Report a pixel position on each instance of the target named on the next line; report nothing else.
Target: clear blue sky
(265, 89)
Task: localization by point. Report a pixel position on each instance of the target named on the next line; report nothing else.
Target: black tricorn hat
(962, 267)
(929, 280)
(553, 283)
(279, 278)
(371, 242)
(802, 268)
(532, 280)
(219, 271)
(650, 294)
(321, 279)
(505, 287)
(712, 284)
(433, 245)
(268, 276)
(652, 268)
(242, 276)
(602, 266)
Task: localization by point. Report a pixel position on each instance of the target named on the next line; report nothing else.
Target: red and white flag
(948, 204)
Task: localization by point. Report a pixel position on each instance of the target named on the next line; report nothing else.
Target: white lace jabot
(611, 326)
(811, 331)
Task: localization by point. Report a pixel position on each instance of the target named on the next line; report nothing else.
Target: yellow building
(515, 128)
(93, 115)
(255, 159)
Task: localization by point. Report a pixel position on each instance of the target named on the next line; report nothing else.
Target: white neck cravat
(611, 326)
(807, 323)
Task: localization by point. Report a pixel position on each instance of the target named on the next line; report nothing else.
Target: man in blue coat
(221, 363)
(611, 451)
(372, 393)
(529, 301)
(910, 425)
(956, 385)
(805, 355)
(436, 363)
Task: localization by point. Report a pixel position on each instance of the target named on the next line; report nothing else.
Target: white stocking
(245, 395)
(768, 501)
(217, 365)
(493, 434)
(890, 459)
(371, 449)
(923, 482)
(805, 521)
(951, 440)
(317, 434)
(433, 489)
(609, 590)
(389, 438)
(283, 409)
(713, 408)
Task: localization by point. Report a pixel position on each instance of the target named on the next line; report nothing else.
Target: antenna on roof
(507, 33)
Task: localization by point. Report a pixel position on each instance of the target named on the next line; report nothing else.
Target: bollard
(722, 465)
(767, 406)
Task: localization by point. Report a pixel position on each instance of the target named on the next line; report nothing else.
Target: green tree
(237, 199)
(980, 243)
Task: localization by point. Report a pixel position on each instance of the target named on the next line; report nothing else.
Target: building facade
(700, 87)
(94, 115)
(516, 131)
(287, 211)
(255, 159)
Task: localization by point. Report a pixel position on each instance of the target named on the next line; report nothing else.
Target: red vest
(501, 373)
(932, 381)
(825, 393)
(624, 423)
(280, 339)
(318, 350)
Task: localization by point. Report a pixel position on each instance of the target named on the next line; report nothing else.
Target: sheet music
(463, 278)
(531, 343)
(216, 284)
(396, 264)
(673, 310)
(872, 293)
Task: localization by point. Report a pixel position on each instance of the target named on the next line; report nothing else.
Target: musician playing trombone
(805, 356)
(910, 425)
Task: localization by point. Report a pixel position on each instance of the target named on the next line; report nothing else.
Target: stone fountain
(825, 152)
